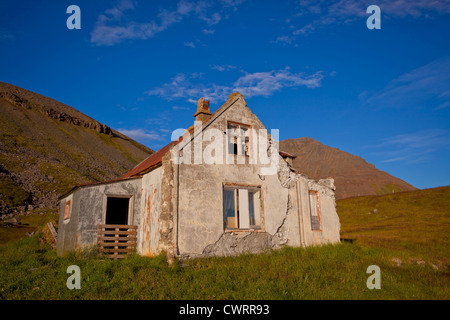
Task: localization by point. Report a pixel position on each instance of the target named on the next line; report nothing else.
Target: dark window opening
(238, 139)
(117, 210)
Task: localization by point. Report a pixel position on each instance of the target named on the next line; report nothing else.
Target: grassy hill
(47, 147)
(405, 234)
(416, 222)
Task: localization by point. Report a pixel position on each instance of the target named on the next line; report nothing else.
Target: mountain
(47, 147)
(353, 176)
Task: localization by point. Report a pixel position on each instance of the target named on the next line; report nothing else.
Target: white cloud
(176, 108)
(323, 13)
(208, 31)
(115, 24)
(211, 20)
(224, 67)
(189, 44)
(266, 83)
(285, 39)
(140, 134)
(182, 86)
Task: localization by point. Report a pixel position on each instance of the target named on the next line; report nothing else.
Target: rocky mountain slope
(352, 174)
(47, 147)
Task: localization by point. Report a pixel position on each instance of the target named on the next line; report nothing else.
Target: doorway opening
(117, 210)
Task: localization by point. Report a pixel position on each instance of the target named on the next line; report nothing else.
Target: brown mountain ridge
(352, 174)
(47, 147)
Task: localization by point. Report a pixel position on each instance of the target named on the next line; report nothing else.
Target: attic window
(238, 139)
(241, 207)
(314, 210)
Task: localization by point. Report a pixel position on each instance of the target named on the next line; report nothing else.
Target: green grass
(416, 222)
(408, 226)
(32, 271)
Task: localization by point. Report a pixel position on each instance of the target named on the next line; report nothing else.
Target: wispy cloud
(250, 85)
(116, 24)
(412, 147)
(189, 44)
(176, 108)
(321, 13)
(208, 31)
(141, 134)
(221, 68)
(426, 86)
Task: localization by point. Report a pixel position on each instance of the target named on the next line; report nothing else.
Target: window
(314, 210)
(241, 207)
(238, 139)
(67, 209)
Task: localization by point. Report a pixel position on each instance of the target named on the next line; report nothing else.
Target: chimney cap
(203, 111)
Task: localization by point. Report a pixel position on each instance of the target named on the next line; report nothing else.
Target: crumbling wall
(200, 212)
(240, 242)
(195, 197)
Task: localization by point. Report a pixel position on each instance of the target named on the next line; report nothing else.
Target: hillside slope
(416, 222)
(47, 147)
(352, 174)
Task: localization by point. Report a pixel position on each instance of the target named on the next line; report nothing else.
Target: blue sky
(308, 68)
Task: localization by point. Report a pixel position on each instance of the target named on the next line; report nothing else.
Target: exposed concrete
(235, 243)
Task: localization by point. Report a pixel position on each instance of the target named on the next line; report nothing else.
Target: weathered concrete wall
(284, 202)
(148, 233)
(200, 211)
(88, 209)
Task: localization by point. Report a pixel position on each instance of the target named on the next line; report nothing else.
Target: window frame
(318, 211)
(67, 210)
(240, 140)
(130, 206)
(257, 208)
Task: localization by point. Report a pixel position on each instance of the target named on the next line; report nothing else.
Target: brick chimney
(203, 111)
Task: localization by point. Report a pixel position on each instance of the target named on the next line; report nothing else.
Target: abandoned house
(181, 202)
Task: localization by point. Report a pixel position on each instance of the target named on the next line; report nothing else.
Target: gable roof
(155, 160)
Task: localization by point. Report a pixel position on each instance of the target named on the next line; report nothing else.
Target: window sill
(244, 230)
